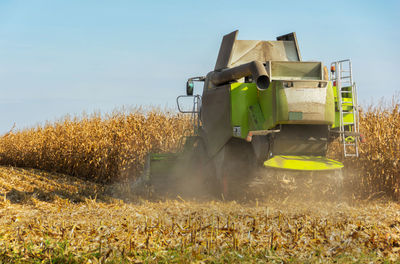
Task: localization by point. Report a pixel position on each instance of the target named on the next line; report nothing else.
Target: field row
(177, 231)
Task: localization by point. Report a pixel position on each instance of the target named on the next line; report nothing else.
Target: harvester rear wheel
(194, 174)
(237, 169)
(203, 168)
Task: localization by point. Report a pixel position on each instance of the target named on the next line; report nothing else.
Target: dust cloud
(187, 181)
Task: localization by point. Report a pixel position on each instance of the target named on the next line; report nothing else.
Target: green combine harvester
(263, 111)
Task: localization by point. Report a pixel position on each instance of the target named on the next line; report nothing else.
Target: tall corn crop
(101, 149)
(376, 171)
(379, 163)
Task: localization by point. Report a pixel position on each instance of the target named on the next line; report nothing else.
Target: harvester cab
(263, 108)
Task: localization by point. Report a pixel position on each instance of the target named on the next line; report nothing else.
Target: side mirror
(189, 87)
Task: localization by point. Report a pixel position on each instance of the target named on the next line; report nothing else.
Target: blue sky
(69, 57)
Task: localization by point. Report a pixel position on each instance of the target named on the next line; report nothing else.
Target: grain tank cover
(234, 52)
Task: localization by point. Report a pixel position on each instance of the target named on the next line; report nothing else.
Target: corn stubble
(176, 231)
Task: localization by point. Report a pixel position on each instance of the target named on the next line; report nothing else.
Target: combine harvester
(264, 117)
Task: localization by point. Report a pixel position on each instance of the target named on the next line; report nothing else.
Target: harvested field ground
(71, 220)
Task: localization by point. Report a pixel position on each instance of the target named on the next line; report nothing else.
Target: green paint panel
(243, 95)
(274, 104)
(347, 106)
(256, 118)
(282, 108)
(347, 118)
(266, 108)
(266, 102)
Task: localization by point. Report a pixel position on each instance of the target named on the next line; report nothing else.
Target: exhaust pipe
(255, 69)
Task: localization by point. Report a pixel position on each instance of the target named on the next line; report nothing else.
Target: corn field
(379, 162)
(111, 148)
(57, 209)
(101, 149)
(376, 172)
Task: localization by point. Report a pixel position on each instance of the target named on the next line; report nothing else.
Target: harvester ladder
(342, 75)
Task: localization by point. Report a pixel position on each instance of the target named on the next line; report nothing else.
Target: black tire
(237, 169)
(203, 168)
(194, 172)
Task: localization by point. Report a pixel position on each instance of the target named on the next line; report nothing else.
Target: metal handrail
(195, 110)
(196, 100)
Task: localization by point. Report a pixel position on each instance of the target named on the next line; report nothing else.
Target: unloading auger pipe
(255, 69)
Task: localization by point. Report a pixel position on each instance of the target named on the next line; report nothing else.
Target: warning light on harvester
(333, 69)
